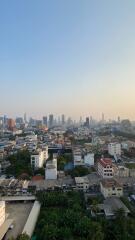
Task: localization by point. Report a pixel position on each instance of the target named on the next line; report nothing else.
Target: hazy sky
(67, 56)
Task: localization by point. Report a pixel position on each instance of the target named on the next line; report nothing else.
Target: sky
(75, 57)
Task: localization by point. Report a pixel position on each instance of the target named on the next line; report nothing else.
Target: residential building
(51, 170)
(77, 156)
(2, 212)
(105, 168)
(89, 159)
(122, 171)
(110, 188)
(114, 149)
(38, 158)
(82, 183)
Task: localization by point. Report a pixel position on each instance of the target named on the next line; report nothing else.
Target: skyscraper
(51, 121)
(45, 121)
(11, 124)
(103, 118)
(63, 119)
(25, 118)
(87, 123)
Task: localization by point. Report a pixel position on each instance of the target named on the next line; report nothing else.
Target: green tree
(23, 236)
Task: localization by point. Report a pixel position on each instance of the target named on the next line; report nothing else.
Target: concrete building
(45, 121)
(82, 183)
(38, 158)
(114, 149)
(51, 120)
(89, 159)
(110, 188)
(122, 171)
(105, 168)
(2, 212)
(11, 124)
(77, 156)
(51, 170)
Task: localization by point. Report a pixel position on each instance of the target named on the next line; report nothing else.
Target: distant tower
(45, 121)
(25, 118)
(51, 120)
(103, 118)
(87, 122)
(119, 119)
(63, 119)
(11, 124)
(80, 121)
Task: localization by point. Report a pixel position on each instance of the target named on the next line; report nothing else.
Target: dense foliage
(79, 171)
(20, 164)
(63, 216)
(62, 160)
(23, 236)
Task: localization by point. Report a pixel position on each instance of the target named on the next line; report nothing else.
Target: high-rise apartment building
(45, 121)
(87, 123)
(51, 120)
(11, 124)
(63, 119)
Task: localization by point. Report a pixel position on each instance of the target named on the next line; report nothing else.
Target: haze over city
(72, 57)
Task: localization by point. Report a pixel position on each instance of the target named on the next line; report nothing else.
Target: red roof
(105, 161)
(37, 178)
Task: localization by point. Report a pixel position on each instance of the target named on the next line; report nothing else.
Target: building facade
(114, 149)
(51, 170)
(38, 158)
(105, 168)
(89, 159)
(110, 188)
(82, 183)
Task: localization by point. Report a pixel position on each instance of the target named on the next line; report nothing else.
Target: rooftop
(112, 204)
(105, 161)
(81, 179)
(109, 183)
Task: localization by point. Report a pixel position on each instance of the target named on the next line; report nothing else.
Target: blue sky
(67, 56)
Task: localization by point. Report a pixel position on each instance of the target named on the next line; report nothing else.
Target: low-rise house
(122, 171)
(110, 188)
(82, 183)
(111, 206)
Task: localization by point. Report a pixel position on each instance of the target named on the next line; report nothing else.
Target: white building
(89, 159)
(105, 168)
(110, 188)
(51, 169)
(114, 149)
(2, 212)
(77, 156)
(82, 183)
(38, 158)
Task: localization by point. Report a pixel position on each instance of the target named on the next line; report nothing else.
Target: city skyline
(71, 57)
